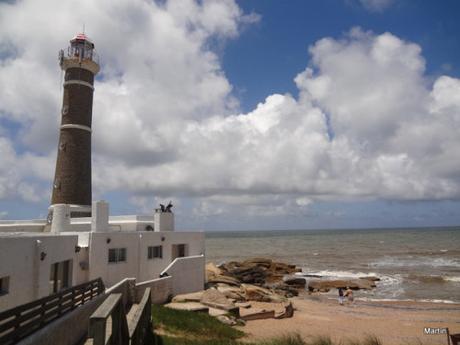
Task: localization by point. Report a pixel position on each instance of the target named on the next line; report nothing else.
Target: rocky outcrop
(326, 285)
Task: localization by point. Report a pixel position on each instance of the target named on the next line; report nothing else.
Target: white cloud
(367, 122)
(376, 5)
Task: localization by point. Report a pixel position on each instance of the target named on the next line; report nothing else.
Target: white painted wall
(137, 264)
(188, 274)
(29, 275)
(164, 221)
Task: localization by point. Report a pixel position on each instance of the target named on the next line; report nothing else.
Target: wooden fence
(21, 321)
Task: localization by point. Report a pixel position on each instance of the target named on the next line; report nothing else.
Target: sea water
(413, 264)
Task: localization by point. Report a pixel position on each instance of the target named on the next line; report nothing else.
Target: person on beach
(349, 295)
(340, 296)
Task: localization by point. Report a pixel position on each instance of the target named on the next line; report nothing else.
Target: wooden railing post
(97, 331)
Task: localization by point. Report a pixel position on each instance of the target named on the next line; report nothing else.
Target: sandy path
(393, 322)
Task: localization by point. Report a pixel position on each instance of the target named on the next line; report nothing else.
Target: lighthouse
(72, 179)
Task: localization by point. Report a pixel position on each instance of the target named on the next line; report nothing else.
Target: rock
(248, 273)
(243, 305)
(258, 314)
(224, 279)
(216, 299)
(300, 282)
(226, 320)
(212, 270)
(189, 306)
(288, 312)
(307, 275)
(371, 278)
(260, 262)
(326, 285)
(256, 293)
(232, 292)
(217, 312)
(188, 297)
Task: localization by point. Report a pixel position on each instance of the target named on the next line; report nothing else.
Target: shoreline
(393, 322)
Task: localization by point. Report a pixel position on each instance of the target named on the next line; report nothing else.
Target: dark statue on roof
(166, 208)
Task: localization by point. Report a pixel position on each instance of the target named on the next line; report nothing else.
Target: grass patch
(199, 325)
(191, 328)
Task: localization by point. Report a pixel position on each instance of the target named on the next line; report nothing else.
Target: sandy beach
(392, 322)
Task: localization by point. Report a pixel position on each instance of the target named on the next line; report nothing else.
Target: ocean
(420, 264)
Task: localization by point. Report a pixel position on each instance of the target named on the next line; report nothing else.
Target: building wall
(137, 264)
(188, 274)
(20, 259)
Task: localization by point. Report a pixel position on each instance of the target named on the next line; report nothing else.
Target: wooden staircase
(111, 324)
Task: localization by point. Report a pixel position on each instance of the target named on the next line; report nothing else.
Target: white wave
(452, 279)
(414, 261)
(385, 280)
(367, 299)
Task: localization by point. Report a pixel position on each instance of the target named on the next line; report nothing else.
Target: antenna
(83, 28)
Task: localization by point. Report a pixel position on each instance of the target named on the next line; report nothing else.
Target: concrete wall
(188, 274)
(20, 258)
(161, 290)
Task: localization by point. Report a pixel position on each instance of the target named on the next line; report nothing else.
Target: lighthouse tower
(72, 179)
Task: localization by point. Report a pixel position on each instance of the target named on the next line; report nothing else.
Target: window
(155, 252)
(60, 276)
(179, 251)
(117, 255)
(4, 285)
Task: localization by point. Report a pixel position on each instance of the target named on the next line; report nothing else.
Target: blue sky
(247, 114)
(267, 56)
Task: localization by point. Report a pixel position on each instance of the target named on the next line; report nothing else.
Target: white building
(38, 259)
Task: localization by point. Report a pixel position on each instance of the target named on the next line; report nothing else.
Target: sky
(248, 115)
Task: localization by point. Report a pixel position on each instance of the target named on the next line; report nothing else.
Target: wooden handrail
(23, 320)
(113, 307)
(121, 333)
(141, 321)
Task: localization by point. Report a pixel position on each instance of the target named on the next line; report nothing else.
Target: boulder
(212, 270)
(264, 262)
(326, 285)
(258, 314)
(216, 299)
(226, 320)
(371, 278)
(256, 293)
(224, 279)
(247, 273)
(243, 305)
(295, 281)
(231, 292)
(287, 313)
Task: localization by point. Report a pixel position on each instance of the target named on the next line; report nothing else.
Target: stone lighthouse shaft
(72, 179)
